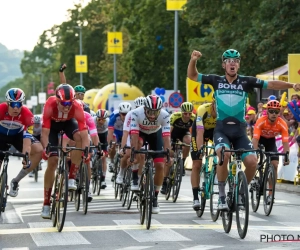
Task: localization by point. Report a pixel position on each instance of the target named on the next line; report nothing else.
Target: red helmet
(153, 102)
(273, 104)
(65, 92)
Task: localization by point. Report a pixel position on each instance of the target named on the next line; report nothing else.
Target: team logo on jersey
(199, 119)
(230, 86)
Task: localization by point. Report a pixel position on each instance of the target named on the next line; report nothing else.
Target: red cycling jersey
(51, 112)
(12, 125)
(265, 129)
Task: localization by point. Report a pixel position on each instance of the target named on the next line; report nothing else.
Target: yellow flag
(198, 93)
(294, 71)
(114, 43)
(81, 64)
(175, 4)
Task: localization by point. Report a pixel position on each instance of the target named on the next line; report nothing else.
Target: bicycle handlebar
(149, 153)
(25, 156)
(67, 149)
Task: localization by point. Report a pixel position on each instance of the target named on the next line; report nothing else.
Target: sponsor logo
(269, 133)
(199, 119)
(194, 144)
(230, 86)
(148, 123)
(166, 128)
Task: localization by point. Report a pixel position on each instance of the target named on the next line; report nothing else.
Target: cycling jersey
(231, 98)
(204, 119)
(115, 121)
(140, 123)
(101, 128)
(126, 125)
(37, 130)
(51, 113)
(10, 125)
(177, 122)
(263, 128)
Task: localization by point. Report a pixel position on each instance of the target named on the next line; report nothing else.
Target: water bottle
(233, 167)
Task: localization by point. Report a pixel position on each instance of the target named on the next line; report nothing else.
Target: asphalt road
(108, 225)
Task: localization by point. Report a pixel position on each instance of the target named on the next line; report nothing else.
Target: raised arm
(192, 71)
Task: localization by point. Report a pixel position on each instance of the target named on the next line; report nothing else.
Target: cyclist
(36, 131)
(61, 113)
(79, 89)
(231, 93)
(136, 168)
(267, 128)
(152, 124)
(115, 133)
(202, 130)
(180, 122)
(15, 119)
(101, 120)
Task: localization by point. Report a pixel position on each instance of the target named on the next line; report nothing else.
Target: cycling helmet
(65, 92)
(102, 113)
(80, 89)
(124, 107)
(231, 53)
(153, 102)
(273, 105)
(186, 107)
(139, 101)
(37, 119)
(15, 95)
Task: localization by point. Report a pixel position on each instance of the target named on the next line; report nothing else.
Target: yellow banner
(175, 4)
(114, 43)
(81, 65)
(198, 93)
(294, 71)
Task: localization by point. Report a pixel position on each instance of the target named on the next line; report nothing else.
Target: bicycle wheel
(177, 180)
(142, 200)
(269, 189)
(255, 187)
(149, 196)
(53, 200)
(214, 196)
(36, 173)
(3, 179)
(227, 215)
(61, 205)
(129, 199)
(78, 191)
(201, 193)
(95, 176)
(99, 174)
(84, 188)
(242, 204)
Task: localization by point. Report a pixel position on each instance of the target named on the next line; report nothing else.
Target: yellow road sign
(81, 64)
(175, 4)
(114, 43)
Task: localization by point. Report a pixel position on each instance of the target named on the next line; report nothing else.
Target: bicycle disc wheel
(255, 186)
(3, 190)
(177, 180)
(149, 196)
(269, 189)
(142, 200)
(214, 196)
(62, 203)
(242, 204)
(85, 188)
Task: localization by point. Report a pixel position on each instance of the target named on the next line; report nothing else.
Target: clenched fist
(195, 55)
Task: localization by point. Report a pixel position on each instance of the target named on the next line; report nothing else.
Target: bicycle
(175, 173)
(36, 173)
(264, 183)
(146, 194)
(208, 176)
(97, 171)
(116, 162)
(237, 197)
(59, 196)
(3, 176)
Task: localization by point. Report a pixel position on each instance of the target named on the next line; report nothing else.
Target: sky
(23, 21)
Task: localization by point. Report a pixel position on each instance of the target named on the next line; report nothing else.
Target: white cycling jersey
(140, 123)
(127, 121)
(101, 128)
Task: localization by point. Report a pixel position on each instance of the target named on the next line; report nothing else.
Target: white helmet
(102, 113)
(37, 119)
(153, 102)
(124, 107)
(92, 113)
(139, 101)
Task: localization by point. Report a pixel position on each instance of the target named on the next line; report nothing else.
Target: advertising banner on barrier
(294, 71)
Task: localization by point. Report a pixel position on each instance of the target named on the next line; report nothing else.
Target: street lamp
(80, 48)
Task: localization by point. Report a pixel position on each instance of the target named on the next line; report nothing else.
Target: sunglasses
(187, 113)
(273, 111)
(15, 104)
(124, 114)
(66, 104)
(79, 93)
(101, 119)
(150, 112)
(232, 60)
